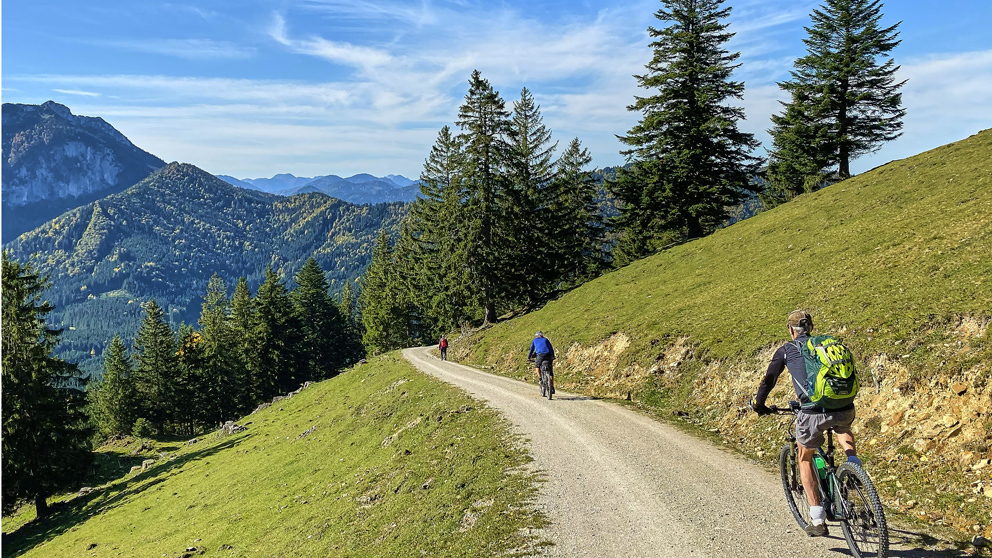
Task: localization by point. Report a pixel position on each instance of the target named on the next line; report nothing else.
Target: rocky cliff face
(54, 161)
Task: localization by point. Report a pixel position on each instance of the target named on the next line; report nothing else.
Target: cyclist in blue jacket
(543, 351)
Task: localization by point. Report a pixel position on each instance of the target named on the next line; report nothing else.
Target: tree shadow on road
(917, 545)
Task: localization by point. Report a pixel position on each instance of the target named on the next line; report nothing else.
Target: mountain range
(361, 188)
(114, 226)
(54, 161)
(165, 236)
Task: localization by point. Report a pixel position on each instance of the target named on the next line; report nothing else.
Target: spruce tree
(485, 127)
(352, 333)
(193, 397)
(113, 401)
(689, 161)
(579, 231)
(528, 235)
(223, 367)
(45, 433)
(279, 368)
(383, 302)
(800, 151)
(157, 367)
(438, 222)
(244, 317)
(322, 327)
(844, 98)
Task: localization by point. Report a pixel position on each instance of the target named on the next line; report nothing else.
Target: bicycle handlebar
(792, 409)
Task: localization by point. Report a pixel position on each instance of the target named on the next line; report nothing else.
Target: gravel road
(622, 484)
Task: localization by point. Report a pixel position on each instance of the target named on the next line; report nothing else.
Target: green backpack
(831, 381)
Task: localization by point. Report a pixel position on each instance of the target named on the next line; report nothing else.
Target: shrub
(142, 428)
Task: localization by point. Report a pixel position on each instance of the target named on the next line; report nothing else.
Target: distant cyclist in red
(443, 347)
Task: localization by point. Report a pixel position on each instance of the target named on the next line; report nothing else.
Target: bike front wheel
(864, 523)
(792, 483)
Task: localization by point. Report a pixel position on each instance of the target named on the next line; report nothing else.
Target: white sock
(817, 514)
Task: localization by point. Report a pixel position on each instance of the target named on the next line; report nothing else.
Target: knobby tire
(792, 483)
(547, 381)
(864, 527)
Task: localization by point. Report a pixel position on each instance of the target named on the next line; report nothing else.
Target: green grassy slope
(897, 261)
(380, 461)
(882, 256)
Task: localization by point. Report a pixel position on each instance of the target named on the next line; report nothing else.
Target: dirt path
(621, 484)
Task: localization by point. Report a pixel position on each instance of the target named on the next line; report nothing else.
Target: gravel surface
(622, 484)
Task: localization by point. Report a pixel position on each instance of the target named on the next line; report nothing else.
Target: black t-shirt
(788, 356)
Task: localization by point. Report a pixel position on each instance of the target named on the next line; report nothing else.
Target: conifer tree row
(502, 224)
(247, 350)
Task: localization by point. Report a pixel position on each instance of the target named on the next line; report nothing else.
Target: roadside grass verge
(379, 461)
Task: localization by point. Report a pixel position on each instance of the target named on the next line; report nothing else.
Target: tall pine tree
(244, 318)
(277, 340)
(352, 333)
(194, 400)
(485, 128)
(689, 161)
(384, 303)
(113, 404)
(227, 375)
(528, 235)
(157, 367)
(800, 151)
(844, 97)
(322, 327)
(579, 231)
(45, 437)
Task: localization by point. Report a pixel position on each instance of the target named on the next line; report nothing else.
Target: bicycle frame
(829, 487)
(847, 494)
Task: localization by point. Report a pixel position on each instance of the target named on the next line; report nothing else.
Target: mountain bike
(546, 379)
(846, 494)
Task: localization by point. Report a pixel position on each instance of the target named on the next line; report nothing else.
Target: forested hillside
(167, 235)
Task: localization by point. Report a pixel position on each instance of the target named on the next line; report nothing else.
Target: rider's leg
(808, 475)
(846, 441)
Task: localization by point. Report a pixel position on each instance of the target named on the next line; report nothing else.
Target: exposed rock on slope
(54, 160)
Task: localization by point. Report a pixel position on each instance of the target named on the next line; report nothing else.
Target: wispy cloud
(333, 51)
(393, 72)
(196, 10)
(189, 49)
(407, 13)
(77, 92)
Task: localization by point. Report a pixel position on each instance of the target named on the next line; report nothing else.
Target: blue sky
(252, 88)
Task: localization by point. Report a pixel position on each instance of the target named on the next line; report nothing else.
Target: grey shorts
(811, 426)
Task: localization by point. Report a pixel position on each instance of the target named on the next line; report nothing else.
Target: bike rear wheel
(792, 483)
(548, 380)
(864, 525)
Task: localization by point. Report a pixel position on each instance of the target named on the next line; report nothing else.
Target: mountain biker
(543, 351)
(811, 421)
(443, 347)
